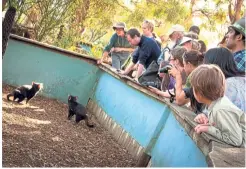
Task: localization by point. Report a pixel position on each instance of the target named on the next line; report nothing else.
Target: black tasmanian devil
(77, 109)
(25, 91)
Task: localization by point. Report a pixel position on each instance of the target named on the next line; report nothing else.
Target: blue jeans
(119, 58)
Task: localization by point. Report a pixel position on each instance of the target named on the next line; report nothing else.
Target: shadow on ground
(39, 135)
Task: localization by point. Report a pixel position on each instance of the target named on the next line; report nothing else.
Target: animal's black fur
(77, 109)
(25, 91)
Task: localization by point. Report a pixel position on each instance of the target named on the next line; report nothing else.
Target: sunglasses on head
(146, 21)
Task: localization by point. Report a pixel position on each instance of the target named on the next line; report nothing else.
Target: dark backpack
(150, 77)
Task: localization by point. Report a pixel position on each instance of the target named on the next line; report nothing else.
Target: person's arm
(159, 92)
(180, 94)
(104, 56)
(108, 48)
(139, 70)
(119, 49)
(132, 64)
(227, 128)
(128, 69)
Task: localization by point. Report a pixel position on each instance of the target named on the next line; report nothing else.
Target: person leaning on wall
(148, 51)
(224, 120)
(168, 82)
(148, 31)
(118, 46)
(191, 60)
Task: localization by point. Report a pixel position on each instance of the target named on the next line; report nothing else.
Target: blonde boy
(225, 121)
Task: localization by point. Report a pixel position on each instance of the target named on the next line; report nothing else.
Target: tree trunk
(233, 17)
(236, 15)
(238, 10)
(3, 4)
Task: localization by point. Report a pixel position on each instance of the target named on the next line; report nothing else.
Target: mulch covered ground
(39, 135)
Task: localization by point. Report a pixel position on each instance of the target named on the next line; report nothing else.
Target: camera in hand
(165, 69)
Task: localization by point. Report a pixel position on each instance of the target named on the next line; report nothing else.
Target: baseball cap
(184, 40)
(176, 28)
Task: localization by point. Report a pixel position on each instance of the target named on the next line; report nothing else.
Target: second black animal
(25, 91)
(77, 109)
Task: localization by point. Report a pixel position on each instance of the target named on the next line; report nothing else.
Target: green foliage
(66, 41)
(96, 52)
(91, 20)
(173, 12)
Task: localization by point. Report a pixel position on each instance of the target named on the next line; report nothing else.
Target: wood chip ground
(39, 135)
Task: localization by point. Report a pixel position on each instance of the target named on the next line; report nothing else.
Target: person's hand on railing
(105, 59)
(122, 72)
(201, 119)
(99, 61)
(136, 80)
(154, 90)
(201, 128)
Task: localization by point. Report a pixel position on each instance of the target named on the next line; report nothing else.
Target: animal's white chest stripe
(17, 90)
(28, 86)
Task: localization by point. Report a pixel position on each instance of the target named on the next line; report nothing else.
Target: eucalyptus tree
(43, 16)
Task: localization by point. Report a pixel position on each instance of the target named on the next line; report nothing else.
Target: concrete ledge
(223, 155)
(218, 154)
(212, 148)
(54, 48)
(182, 114)
(121, 136)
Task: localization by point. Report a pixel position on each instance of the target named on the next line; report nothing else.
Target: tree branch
(205, 13)
(123, 6)
(230, 11)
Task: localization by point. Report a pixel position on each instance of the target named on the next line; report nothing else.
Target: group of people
(210, 82)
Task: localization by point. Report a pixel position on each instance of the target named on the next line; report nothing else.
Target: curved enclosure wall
(149, 122)
(60, 74)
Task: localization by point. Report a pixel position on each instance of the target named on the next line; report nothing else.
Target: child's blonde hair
(208, 81)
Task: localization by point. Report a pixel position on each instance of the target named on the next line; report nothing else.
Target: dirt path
(39, 135)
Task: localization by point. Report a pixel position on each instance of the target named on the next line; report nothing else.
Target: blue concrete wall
(134, 111)
(60, 74)
(174, 148)
(147, 120)
(150, 122)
